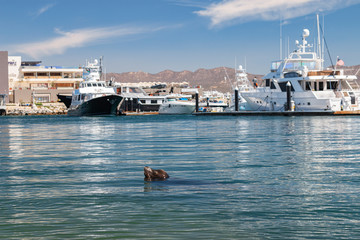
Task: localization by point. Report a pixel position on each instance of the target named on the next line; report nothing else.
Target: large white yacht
(94, 97)
(177, 104)
(313, 88)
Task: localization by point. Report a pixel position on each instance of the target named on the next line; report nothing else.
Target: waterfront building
(4, 75)
(29, 81)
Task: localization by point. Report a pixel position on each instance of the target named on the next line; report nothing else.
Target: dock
(278, 113)
(138, 113)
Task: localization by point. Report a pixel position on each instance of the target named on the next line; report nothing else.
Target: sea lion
(152, 174)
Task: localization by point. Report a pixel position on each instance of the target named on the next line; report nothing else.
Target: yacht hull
(304, 101)
(104, 105)
(177, 108)
(65, 98)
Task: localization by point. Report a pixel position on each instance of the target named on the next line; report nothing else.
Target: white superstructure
(313, 88)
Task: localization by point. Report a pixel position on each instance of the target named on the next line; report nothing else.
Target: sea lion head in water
(152, 174)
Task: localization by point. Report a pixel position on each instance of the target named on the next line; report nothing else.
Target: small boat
(177, 104)
(94, 97)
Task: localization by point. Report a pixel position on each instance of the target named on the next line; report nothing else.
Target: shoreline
(31, 110)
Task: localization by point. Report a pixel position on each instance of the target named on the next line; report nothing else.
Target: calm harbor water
(230, 177)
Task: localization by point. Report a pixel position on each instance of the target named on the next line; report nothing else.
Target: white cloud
(228, 11)
(74, 39)
(43, 9)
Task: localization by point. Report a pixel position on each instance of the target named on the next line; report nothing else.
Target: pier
(277, 113)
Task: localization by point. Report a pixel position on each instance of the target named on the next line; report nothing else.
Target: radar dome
(306, 32)
(240, 67)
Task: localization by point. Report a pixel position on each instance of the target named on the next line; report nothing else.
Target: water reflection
(231, 177)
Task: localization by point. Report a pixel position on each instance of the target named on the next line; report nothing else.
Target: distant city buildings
(29, 81)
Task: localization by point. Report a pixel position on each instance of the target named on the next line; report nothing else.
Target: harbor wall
(4, 72)
(27, 95)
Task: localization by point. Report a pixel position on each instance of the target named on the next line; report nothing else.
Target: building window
(42, 74)
(42, 98)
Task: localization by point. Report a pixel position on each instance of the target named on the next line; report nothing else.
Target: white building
(29, 81)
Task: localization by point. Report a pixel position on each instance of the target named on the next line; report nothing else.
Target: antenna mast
(280, 39)
(319, 39)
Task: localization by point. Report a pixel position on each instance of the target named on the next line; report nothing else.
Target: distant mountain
(209, 79)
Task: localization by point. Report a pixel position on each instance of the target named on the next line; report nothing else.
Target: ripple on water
(230, 177)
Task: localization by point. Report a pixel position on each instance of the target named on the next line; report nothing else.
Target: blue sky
(155, 35)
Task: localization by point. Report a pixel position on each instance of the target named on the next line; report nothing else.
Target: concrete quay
(43, 109)
(283, 113)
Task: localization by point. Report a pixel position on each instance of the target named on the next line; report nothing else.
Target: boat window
(99, 85)
(142, 101)
(303, 56)
(94, 84)
(331, 85)
(89, 84)
(134, 90)
(308, 86)
(299, 65)
(82, 96)
(275, 65)
(291, 75)
(283, 87)
(267, 82)
(153, 101)
(315, 86)
(352, 96)
(272, 86)
(321, 86)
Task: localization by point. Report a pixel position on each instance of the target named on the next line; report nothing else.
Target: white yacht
(177, 104)
(94, 97)
(313, 88)
(136, 99)
(242, 84)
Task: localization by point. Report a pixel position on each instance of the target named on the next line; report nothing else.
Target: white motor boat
(177, 104)
(94, 97)
(313, 88)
